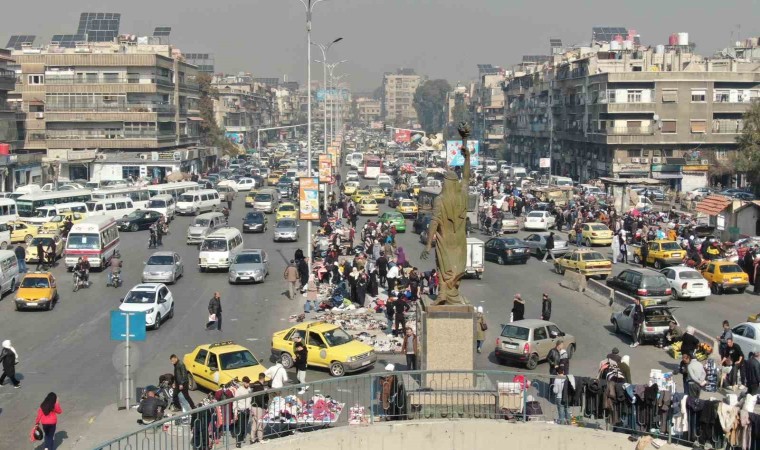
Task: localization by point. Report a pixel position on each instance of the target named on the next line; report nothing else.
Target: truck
(475, 263)
(516, 172)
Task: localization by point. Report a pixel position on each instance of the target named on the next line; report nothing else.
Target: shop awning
(197, 119)
(713, 204)
(667, 175)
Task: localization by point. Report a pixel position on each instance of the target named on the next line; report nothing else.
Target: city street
(68, 349)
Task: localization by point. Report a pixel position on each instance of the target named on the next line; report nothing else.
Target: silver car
(163, 267)
(537, 244)
(528, 341)
(249, 266)
(286, 230)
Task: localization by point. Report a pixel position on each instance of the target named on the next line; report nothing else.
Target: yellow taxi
(415, 189)
(378, 194)
(286, 211)
(350, 187)
(724, 275)
(328, 346)
(586, 262)
(360, 194)
(661, 253)
(57, 223)
(212, 365)
(274, 177)
(368, 207)
(47, 239)
(408, 208)
(593, 233)
(23, 232)
(37, 290)
(249, 198)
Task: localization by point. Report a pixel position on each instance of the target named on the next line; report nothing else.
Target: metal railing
(378, 397)
(64, 80)
(734, 127)
(116, 107)
(622, 131)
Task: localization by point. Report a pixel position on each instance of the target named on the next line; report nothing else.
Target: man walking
(292, 276)
(549, 247)
(391, 277)
(546, 307)
(9, 359)
(382, 268)
(753, 374)
(644, 252)
(229, 197)
(258, 405)
(180, 384)
(215, 309)
(20, 258)
(301, 363)
(409, 348)
(638, 320)
(303, 273)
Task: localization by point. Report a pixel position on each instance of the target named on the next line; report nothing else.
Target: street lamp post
(333, 118)
(325, 49)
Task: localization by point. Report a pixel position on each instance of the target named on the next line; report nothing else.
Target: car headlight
(20, 299)
(351, 358)
(43, 299)
(233, 273)
(150, 311)
(258, 272)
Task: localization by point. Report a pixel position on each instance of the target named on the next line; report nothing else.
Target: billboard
(309, 198)
(325, 168)
(333, 152)
(454, 153)
(376, 125)
(402, 136)
(544, 163)
(235, 138)
(332, 94)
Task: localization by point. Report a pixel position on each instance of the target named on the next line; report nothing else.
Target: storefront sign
(309, 198)
(544, 163)
(325, 168)
(698, 168)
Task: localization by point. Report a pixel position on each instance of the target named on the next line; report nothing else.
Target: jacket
(550, 242)
(689, 343)
(480, 333)
(215, 306)
(291, 274)
(49, 419)
(8, 357)
(404, 345)
(150, 408)
(302, 357)
(553, 358)
(696, 372)
(518, 311)
(261, 400)
(753, 372)
(546, 309)
(638, 314)
(180, 373)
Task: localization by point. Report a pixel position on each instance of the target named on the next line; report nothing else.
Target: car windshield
(508, 216)
(57, 219)
(237, 360)
(160, 260)
(83, 241)
(730, 268)
(599, 227)
(45, 241)
(140, 297)
(248, 258)
(157, 204)
(513, 332)
(407, 204)
(510, 241)
(256, 218)
(670, 246)
(592, 256)
(186, 197)
(690, 275)
(655, 282)
(42, 212)
(337, 337)
(287, 208)
(214, 245)
(35, 282)
(201, 222)
(286, 224)
(263, 198)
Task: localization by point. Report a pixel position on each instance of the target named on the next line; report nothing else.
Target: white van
(196, 202)
(46, 213)
(9, 276)
(5, 235)
(219, 248)
(96, 238)
(115, 208)
(163, 203)
(203, 225)
(266, 200)
(590, 189)
(25, 190)
(556, 180)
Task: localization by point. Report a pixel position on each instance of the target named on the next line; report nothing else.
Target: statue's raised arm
(464, 131)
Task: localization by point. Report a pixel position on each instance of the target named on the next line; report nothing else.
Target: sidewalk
(107, 425)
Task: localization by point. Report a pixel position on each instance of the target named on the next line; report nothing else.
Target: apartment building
(488, 108)
(369, 110)
(97, 99)
(660, 112)
(242, 107)
(398, 96)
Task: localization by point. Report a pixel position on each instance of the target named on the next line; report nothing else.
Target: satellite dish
(656, 117)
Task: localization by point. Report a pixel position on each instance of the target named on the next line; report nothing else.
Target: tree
(430, 103)
(210, 133)
(378, 93)
(748, 159)
(460, 113)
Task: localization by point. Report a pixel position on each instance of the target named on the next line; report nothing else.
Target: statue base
(448, 343)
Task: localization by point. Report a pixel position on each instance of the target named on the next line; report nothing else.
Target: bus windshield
(83, 241)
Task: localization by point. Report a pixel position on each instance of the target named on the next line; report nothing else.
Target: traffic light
(385, 127)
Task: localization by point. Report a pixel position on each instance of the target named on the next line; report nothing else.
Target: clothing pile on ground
(291, 409)
(369, 327)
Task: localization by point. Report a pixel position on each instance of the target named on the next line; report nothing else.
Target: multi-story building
(398, 96)
(285, 106)
(92, 108)
(488, 108)
(369, 110)
(15, 168)
(629, 111)
(242, 107)
(8, 127)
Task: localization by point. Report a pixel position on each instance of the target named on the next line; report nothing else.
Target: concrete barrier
(574, 281)
(457, 435)
(599, 288)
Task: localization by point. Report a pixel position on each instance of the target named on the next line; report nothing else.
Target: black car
(421, 223)
(138, 220)
(647, 285)
(386, 187)
(505, 250)
(254, 222)
(260, 181)
(396, 198)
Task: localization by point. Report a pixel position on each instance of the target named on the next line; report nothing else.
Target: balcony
(104, 134)
(7, 80)
(728, 128)
(630, 131)
(66, 80)
(116, 107)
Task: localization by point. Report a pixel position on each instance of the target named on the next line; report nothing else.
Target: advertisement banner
(544, 163)
(333, 152)
(402, 136)
(309, 198)
(235, 138)
(376, 125)
(454, 153)
(325, 168)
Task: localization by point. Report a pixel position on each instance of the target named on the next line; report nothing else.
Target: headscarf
(7, 345)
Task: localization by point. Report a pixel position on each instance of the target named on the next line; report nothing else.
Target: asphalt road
(68, 350)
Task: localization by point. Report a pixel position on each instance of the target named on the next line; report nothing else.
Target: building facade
(13, 166)
(664, 113)
(242, 107)
(398, 96)
(369, 110)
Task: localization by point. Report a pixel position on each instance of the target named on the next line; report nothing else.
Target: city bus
(139, 195)
(8, 211)
(27, 205)
(426, 202)
(173, 189)
(373, 166)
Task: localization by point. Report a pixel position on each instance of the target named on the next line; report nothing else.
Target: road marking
(252, 339)
(233, 320)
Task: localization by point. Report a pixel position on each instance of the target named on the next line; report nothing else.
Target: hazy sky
(438, 38)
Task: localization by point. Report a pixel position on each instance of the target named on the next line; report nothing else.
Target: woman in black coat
(9, 359)
(518, 309)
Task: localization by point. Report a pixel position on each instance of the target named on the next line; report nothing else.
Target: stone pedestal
(448, 343)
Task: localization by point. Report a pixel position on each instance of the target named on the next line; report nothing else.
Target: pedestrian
(625, 368)
(9, 359)
(229, 197)
(277, 375)
(695, 375)
(303, 272)
(644, 252)
(546, 307)
(20, 253)
(554, 357)
(480, 329)
(301, 362)
(752, 375)
(389, 314)
(409, 348)
(518, 308)
(638, 321)
(399, 319)
(40, 254)
(615, 249)
(623, 247)
(312, 294)
(242, 411)
(382, 269)
(180, 385)
(732, 359)
(549, 247)
(391, 276)
(291, 276)
(215, 310)
(725, 335)
(47, 417)
(259, 403)
(561, 397)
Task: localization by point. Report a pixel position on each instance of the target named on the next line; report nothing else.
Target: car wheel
(134, 227)
(202, 269)
(636, 259)
(286, 360)
(28, 238)
(158, 322)
(532, 362)
(500, 260)
(617, 327)
(657, 264)
(741, 290)
(337, 369)
(191, 384)
(588, 242)
(570, 351)
(171, 312)
(673, 294)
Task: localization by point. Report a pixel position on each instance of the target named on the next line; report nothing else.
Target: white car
(747, 337)
(154, 299)
(384, 179)
(539, 220)
(232, 184)
(352, 175)
(686, 282)
(246, 184)
(699, 193)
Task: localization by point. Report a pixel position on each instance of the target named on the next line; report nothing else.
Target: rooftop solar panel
(16, 40)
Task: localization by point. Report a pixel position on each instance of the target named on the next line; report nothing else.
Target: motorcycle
(115, 280)
(153, 242)
(79, 281)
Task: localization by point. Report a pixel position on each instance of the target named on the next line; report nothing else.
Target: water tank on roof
(628, 45)
(618, 38)
(659, 49)
(673, 39)
(5, 149)
(615, 45)
(683, 39)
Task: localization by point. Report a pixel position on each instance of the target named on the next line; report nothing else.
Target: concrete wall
(457, 435)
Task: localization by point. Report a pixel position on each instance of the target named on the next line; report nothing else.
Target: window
(634, 96)
(634, 153)
(130, 171)
(669, 95)
(36, 79)
(698, 126)
(668, 152)
(698, 95)
(721, 95)
(539, 334)
(200, 358)
(316, 340)
(212, 362)
(668, 126)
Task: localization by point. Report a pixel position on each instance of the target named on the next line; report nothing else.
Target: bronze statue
(448, 227)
